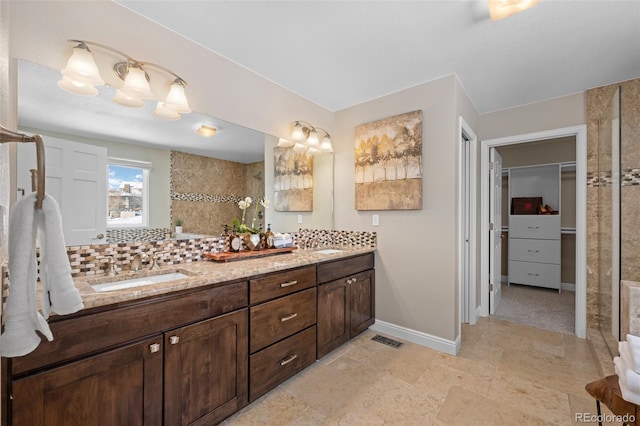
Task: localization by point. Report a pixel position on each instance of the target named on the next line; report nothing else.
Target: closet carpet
(538, 307)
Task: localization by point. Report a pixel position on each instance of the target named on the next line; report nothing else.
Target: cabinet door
(333, 316)
(362, 302)
(119, 387)
(206, 370)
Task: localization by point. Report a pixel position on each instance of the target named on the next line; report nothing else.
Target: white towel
(631, 378)
(55, 272)
(634, 345)
(22, 317)
(623, 371)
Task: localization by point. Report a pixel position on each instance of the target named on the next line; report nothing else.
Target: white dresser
(534, 250)
(534, 240)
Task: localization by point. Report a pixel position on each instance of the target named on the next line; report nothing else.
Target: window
(127, 195)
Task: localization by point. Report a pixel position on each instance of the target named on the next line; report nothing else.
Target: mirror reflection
(158, 170)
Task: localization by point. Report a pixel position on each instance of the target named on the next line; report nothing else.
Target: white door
(76, 177)
(495, 227)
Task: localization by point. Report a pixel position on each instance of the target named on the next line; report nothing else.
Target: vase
(252, 241)
(178, 230)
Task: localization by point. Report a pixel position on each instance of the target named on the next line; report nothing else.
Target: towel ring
(7, 135)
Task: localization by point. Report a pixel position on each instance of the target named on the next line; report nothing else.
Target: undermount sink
(141, 281)
(328, 251)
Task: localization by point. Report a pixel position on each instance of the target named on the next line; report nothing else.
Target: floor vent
(386, 341)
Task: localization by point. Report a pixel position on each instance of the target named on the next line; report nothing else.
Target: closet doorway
(524, 300)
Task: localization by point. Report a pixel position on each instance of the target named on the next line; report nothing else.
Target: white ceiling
(342, 53)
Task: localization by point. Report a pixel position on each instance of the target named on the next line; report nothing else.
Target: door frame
(467, 288)
(580, 134)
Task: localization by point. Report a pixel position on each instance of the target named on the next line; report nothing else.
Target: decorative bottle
(268, 237)
(226, 239)
(236, 240)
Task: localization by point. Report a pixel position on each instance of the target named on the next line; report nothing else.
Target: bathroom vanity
(196, 350)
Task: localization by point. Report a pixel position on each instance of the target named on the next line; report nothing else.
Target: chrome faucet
(112, 271)
(136, 262)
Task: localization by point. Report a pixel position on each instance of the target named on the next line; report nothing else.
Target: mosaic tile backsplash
(93, 260)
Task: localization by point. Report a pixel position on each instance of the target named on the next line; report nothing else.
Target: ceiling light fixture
(304, 138)
(499, 9)
(81, 76)
(206, 131)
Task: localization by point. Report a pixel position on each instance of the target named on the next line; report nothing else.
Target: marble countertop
(203, 273)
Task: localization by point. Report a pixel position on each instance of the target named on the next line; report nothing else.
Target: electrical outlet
(299, 218)
(376, 220)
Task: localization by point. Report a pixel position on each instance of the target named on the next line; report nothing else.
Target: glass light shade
(297, 134)
(312, 151)
(313, 140)
(81, 68)
(285, 143)
(326, 145)
(499, 9)
(176, 99)
(124, 99)
(136, 84)
(299, 147)
(76, 87)
(166, 113)
(206, 131)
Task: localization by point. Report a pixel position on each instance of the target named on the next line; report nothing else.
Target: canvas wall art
(388, 163)
(293, 180)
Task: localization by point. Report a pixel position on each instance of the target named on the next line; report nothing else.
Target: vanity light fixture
(304, 138)
(81, 76)
(499, 9)
(206, 131)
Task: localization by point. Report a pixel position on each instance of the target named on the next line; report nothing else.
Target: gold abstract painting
(293, 180)
(388, 163)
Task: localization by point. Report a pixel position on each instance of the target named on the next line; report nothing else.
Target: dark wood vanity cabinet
(179, 359)
(119, 387)
(346, 301)
(282, 320)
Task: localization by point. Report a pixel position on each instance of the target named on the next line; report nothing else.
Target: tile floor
(505, 374)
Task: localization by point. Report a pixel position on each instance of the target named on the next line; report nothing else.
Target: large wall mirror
(184, 175)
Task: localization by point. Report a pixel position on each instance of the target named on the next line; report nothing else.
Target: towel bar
(7, 135)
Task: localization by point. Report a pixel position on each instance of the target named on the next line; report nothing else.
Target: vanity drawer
(530, 250)
(274, 365)
(329, 271)
(536, 274)
(545, 227)
(280, 318)
(281, 283)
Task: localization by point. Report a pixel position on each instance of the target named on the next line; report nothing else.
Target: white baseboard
(423, 339)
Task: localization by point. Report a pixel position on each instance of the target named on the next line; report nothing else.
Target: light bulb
(312, 140)
(176, 99)
(297, 134)
(82, 68)
(136, 84)
(326, 146)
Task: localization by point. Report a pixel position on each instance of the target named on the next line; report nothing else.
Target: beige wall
(416, 256)
(555, 113)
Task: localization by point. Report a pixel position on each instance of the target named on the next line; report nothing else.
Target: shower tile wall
(599, 196)
(205, 191)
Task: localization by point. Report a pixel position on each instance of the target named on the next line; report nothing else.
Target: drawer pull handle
(533, 275)
(351, 280)
(174, 340)
(155, 347)
(288, 359)
(533, 251)
(533, 227)
(289, 317)
(288, 284)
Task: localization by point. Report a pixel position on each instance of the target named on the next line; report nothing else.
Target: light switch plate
(376, 220)
(299, 218)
